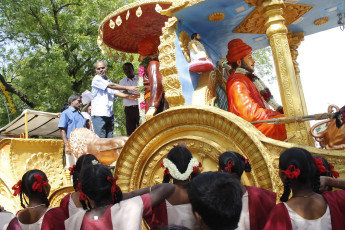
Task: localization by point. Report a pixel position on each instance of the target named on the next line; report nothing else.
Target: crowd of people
(186, 198)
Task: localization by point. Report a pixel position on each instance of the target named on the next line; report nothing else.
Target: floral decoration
(291, 172)
(141, 99)
(335, 174)
(71, 169)
(175, 173)
(39, 183)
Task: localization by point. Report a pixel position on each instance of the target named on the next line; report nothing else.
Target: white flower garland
(261, 87)
(174, 171)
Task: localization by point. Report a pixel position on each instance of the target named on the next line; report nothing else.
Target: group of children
(187, 199)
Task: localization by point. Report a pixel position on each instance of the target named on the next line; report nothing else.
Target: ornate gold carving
(216, 17)
(56, 196)
(21, 155)
(184, 40)
(255, 22)
(304, 127)
(321, 21)
(254, 2)
(112, 24)
(207, 131)
(291, 100)
(47, 163)
(167, 58)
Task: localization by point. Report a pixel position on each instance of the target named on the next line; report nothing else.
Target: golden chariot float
(193, 118)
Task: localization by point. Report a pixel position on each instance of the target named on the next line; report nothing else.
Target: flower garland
(175, 173)
(262, 88)
(10, 102)
(141, 99)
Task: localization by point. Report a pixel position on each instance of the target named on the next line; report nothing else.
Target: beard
(245, 66)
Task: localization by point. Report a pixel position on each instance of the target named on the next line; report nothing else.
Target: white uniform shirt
(299, 223)
(244, 223)
(129, 82)
(102, 97)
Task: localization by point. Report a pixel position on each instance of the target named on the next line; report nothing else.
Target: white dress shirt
(102, 97)
(129, 82)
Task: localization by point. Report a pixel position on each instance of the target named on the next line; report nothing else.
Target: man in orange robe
(247, 95)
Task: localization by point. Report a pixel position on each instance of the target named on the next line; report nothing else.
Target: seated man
(199, 59)
(248, 97)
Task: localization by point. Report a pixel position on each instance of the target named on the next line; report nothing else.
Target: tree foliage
(48, 49)
(264, 67)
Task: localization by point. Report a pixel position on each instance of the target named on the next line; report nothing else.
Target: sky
(322, 69)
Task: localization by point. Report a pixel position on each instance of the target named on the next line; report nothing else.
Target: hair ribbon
(195, 168)
(39, 183)
(17, 188)
(319, 165)
(335, 174)
(71, 169)
(82, 196)
(230, 165)
(114, 187)
(291, 172)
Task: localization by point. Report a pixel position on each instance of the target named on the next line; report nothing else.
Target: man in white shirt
(103, 94)
(131, 106)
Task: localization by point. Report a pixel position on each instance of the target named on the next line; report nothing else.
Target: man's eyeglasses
(100, 68)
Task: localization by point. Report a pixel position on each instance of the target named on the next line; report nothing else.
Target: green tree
(48, 49)
(264, 67)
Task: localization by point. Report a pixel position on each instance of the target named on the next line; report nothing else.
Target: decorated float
(197, 113)
(195, 89)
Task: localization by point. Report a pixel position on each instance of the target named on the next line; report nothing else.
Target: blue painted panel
(216, 35)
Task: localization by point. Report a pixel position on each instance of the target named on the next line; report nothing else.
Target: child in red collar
(36, 214)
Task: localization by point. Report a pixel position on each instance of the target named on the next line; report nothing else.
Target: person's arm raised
(123, 87)
(331, 182)
(126, 95)
(158, 192)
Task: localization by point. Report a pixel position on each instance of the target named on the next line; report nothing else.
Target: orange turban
(148, 46)
(237, 50)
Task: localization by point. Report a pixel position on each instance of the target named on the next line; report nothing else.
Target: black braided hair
(28, 180)
(95, 185)
(302, 160)
(181, 157)
(81, 162)
(239, 161)
(287, 190)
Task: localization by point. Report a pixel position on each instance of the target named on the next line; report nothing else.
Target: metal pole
(26, 126)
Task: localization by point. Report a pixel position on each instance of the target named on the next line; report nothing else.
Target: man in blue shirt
(70, 119)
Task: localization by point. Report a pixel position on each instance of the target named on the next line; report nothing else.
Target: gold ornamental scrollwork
(255, 21)
(56, 196)
(167, 59)
(321, 21)
(184, 40)
(254, 2)
(207, 131)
